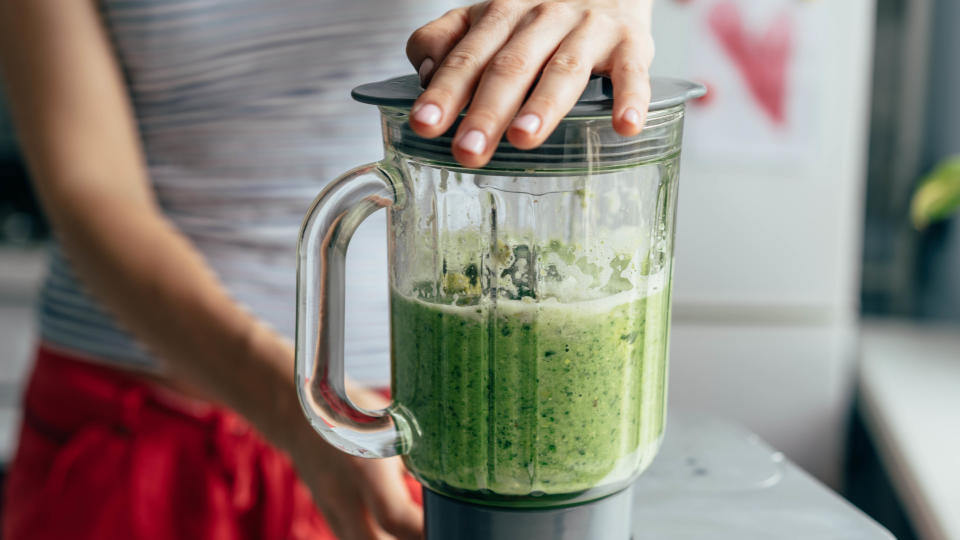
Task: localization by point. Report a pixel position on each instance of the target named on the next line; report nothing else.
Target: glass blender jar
(530, 312)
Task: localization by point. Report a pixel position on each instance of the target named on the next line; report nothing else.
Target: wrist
(265, 387)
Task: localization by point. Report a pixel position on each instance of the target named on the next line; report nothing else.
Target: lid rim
(597, 99)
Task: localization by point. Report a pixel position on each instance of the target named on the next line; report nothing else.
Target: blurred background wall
(771, 214)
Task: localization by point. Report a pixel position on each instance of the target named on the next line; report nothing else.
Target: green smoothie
(525, 398)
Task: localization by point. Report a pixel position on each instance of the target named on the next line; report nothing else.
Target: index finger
(455, 80)
(631, 86)
(431, 43)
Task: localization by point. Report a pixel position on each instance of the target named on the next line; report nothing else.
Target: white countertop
(714, 480)
(910, 386)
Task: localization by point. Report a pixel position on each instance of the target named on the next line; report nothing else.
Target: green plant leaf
(938, 195)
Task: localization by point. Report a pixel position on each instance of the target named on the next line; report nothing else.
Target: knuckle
(553, 10)
(457, 13)
(481, 116)
(420, 36)
(461, 16)
(462, 60)
(565, 64)
(598, 20)
(604, 23)
(638, 48)
(437, 94)
(509, 5)
(501, 10)
(633, 69)
(431, 36)
(509, 64)
(542, 102)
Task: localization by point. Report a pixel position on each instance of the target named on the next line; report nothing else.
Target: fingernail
(474, 142)
(425, 68)
(428, 114)
(528, 123)
(631, 116)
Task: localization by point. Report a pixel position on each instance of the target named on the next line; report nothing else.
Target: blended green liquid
(531, 398)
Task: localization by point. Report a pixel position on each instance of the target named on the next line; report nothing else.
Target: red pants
(105, 456)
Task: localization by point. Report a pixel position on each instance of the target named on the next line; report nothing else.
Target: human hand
(493, 51)
(362, 499)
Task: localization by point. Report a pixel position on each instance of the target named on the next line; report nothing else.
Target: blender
(530, 312)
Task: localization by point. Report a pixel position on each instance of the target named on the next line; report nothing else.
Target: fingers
(433, 41)
(507, 78)
(455, 79)
(503, 44)
(564, 77)
(631, 86)
(349, 519)
(389, 501)
(339, 484)
(365, 397)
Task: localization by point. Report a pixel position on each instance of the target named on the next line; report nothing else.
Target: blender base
(604, 519)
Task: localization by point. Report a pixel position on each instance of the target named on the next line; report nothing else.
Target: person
(175, 146)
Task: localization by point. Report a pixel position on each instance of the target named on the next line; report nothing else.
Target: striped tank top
(244, 113)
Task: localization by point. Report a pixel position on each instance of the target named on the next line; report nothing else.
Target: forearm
(160, 288)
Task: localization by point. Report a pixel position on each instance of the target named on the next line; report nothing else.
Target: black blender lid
(597, 98)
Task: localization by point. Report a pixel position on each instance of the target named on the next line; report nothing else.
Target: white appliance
(769, 238)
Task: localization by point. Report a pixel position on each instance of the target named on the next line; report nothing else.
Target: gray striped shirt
(244, 113)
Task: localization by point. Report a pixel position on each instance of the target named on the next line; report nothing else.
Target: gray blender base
(710, 481)
(598, 520)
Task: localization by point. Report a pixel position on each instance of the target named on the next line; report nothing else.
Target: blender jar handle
(321, 255)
